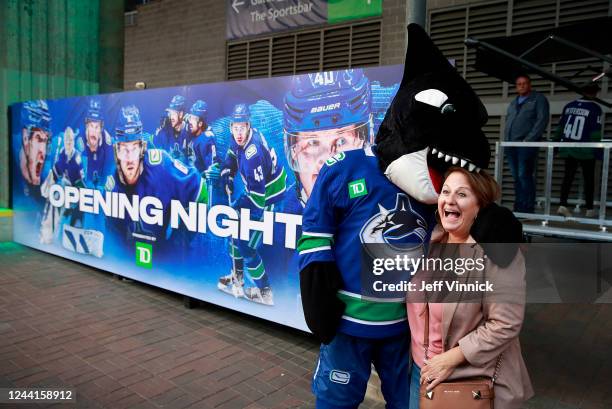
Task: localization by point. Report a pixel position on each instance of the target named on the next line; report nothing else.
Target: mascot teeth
(447, 158)
(463, 163)
(434, 151)
(472, 167)
(440, 154)
(455, 160)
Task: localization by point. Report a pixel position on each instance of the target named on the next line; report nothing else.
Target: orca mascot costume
(386, 194)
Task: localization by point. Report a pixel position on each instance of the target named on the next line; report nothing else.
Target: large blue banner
(196, 189)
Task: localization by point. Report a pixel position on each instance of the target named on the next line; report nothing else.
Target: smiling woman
(454, 341)
(463, 194)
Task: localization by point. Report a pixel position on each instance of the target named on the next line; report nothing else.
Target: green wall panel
(55, 49)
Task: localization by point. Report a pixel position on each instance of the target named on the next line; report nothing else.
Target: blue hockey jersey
(264, 180)
(580, 122)
(352, 205)
(69, 168)
(100, 163)
(170, 140)
(201, 150)
(166, 179)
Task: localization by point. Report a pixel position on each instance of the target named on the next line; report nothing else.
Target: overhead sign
(252, 17)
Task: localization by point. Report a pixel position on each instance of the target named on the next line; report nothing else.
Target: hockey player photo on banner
(196, 189)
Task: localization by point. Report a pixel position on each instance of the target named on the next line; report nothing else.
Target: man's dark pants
(522, 163)
(588, 173)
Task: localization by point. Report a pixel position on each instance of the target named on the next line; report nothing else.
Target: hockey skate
(233, 284)
(261, 296)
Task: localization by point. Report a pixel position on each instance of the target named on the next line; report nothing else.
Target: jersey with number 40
(580, 122)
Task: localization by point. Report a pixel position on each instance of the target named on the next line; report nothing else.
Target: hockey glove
(494, 225)
(213, 172)
(44, 188)
(227, 181)
(110, 183)
(319, 284)
(80, 145)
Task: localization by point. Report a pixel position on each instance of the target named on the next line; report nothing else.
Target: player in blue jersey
(97, 149)
(200, 147)
(580, 122)
(35, 141)
(36, 138)
(68, 170)
(324, 113)
(351, 206)
(170, 136)
(265, 184)
(151, 172)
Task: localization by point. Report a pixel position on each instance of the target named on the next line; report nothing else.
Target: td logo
(144, 255)
(357, 188)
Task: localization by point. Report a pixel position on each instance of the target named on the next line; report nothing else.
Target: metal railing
(601, 220)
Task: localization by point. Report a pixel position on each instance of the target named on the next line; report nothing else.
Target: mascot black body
(433, 123)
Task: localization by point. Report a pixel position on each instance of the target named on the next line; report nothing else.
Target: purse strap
(426, 345)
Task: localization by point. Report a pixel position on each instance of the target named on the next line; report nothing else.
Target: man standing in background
(526, 121)
(580, 122)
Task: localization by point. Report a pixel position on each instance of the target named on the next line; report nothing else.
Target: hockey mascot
(386, 194)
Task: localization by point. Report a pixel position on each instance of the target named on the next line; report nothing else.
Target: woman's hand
(440, 367)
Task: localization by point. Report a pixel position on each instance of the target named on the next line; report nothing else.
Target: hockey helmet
(325, 101)
(94, 111)
(241, 113)
(129, 126)
(177, 104)
(199, 109)
(35, 114)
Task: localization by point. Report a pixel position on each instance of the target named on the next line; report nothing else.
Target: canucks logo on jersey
(400, 229)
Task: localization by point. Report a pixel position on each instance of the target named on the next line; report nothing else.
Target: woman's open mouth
(452, 214)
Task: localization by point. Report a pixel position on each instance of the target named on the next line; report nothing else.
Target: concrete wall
(178, 42)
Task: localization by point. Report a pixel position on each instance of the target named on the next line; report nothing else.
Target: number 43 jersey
(264, 180)
(354, 208)
(580, 122)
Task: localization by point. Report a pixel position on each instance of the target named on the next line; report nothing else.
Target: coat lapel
(449, 309)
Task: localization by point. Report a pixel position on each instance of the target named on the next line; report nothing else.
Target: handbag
(467, 393)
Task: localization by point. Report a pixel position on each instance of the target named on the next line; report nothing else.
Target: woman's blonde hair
(483, 185)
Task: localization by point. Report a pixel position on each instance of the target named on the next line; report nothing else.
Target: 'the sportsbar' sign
(253, 17)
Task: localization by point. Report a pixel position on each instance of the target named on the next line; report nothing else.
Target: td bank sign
(144, 255)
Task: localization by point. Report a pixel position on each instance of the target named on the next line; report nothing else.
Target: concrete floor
(122, 344)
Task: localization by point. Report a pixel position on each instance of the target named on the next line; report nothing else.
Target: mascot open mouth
(425, 169)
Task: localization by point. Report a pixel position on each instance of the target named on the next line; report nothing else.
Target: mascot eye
(433, 97)
(447, 109)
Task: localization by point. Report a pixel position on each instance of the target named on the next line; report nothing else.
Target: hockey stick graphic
(235, 287)
(48, 221)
